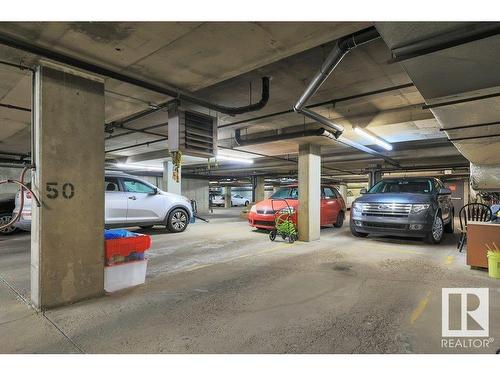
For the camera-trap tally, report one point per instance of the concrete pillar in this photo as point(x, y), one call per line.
point(260, 193)
point(227, 197)
point(374, 177)
point(169, 183)
point(309, 192)
point(67, 241)
point(343, 191)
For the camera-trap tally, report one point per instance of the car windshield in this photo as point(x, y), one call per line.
point(286, 193)
point(402, 186)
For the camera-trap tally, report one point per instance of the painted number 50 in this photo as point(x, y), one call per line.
point(67, 190)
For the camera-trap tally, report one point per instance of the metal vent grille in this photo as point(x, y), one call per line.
point(192, 133)
point(198, 134)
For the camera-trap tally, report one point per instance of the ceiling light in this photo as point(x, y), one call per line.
point(139, 167)
point(235, 159)
point(379, 141)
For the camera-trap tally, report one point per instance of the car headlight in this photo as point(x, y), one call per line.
point(357, 206)
point(254, 209)
point(416, 208)
point(287, 211)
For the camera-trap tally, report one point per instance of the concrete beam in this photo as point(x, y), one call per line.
point(67, 241)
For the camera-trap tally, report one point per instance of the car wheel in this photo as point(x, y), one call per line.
point(177, 221)
point(436, 234)
point(5, 218)
point(272, 235)
point(146, 226)
point(247, 203)
point(450, 227)
point(340, 220)
point(355, 233)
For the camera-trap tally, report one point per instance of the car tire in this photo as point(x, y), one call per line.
point(436, 234)
point(450, 227)
point(340, 220)
point(355, 233)
point(177, 221)
point(4, 219)
point(247, 203)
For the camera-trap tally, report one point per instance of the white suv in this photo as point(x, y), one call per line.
point(129, 202)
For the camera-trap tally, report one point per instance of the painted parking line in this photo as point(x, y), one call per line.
point(420, 308)
point(449, 260)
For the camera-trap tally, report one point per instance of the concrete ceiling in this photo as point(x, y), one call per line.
point(224, 62)
point(456, 74)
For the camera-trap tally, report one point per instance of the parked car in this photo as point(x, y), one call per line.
point(236, 200)
point(130, 201)
point(411, 207)
point(332, 207)
point(218, 200)
point(7, 204)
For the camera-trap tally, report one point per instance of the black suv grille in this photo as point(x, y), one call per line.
point(384, 225)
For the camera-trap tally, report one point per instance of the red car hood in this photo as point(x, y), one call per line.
point(269, 204)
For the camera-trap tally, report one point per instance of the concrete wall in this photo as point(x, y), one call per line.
point(196, 190)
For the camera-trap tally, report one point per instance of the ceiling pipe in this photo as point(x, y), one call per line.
point(173, 92)
point(332, 102)
point(446, 40)
point(342, 47)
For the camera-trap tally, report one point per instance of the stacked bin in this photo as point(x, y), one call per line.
point(125, 263)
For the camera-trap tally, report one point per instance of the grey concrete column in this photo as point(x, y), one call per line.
point(67, 241)
point(260, 193)
point(227, 197)
point(374, 177)
point(169, 183)
point(343, 191)
point(309, 192)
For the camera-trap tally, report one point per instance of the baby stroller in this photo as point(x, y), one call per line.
point(284, 222)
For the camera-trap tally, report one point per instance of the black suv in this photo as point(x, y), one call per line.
point(411, 207)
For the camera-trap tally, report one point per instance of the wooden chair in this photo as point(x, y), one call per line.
point(472, 212)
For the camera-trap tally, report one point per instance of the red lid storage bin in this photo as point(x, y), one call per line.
point(119, 250)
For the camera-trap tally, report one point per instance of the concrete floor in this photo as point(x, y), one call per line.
point(223, 288)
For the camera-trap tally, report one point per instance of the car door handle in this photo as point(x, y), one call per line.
point(133, 197)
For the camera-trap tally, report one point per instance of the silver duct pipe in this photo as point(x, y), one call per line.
point(342, 47)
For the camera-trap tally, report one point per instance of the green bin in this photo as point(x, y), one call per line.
point(494, 264)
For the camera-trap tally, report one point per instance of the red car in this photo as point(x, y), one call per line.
point(333, 208)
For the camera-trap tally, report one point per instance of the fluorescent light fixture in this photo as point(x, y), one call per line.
point(233, 158)
point(379, 141)
point(139, 167)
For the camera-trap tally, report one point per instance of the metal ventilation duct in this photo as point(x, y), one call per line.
point(192, 133)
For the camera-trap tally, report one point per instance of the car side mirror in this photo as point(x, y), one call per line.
point(444, 191)
point(363, 191)
point(155, 191)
